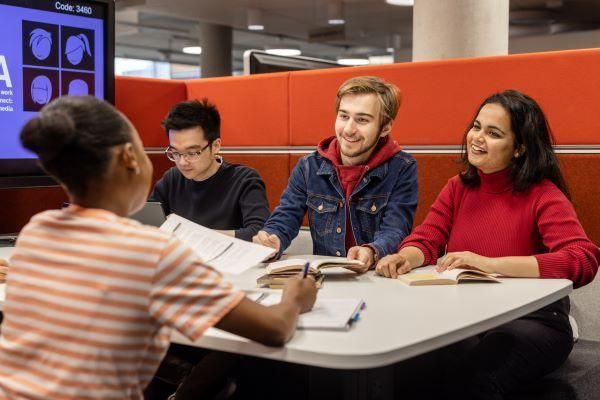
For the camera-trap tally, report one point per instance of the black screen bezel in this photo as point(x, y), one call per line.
point(261, 62)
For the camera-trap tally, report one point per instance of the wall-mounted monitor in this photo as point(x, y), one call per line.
point(48, 49)
point(261, 62)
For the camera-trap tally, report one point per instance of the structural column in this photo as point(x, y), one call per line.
point(459, 28)
point(216, 43)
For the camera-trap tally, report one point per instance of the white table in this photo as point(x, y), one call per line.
point(399, 321)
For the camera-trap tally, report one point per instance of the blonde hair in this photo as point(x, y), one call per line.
point(388, 95)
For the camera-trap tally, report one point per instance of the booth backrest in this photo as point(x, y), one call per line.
point(254, 109)
point(440, 98)
point(146, 102)
point(268, 121)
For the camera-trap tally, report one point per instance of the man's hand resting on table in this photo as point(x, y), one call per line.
point(364, 254)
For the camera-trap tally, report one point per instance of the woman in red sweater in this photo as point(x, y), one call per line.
point(508, 213)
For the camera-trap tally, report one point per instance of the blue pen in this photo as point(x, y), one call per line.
point(305, 270)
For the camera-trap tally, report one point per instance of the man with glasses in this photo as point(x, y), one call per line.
point(202, 187)
point(205, 189)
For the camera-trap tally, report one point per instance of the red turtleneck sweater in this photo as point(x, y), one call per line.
point(493, 221)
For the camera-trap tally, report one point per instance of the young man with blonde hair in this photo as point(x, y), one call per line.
point(359, 187)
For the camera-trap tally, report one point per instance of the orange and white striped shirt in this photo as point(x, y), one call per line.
point(90, 303)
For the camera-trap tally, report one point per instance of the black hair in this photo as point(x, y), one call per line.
point(72, 137)
point(194, 113)
point(532, 133)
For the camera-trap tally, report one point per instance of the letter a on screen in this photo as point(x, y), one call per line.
point(4, 74)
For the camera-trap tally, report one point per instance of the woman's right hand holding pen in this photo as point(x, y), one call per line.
point(301, 291)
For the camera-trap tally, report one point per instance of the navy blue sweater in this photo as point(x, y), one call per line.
point(234, 198)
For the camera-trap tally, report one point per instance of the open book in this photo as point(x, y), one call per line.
point(277, 281)
point(222, 252)
point(278, 272)
point(429, 276)
point(327, 314)
point(297, 264)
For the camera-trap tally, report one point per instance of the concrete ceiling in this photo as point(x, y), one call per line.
point(158, 30)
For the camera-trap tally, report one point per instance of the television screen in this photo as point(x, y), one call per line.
point(260, 62)
point(48, 49)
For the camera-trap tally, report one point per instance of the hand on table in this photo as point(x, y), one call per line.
point(466, 260)
point(364, 254)
point(393, 265)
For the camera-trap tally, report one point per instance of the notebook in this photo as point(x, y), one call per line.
point(336, 314)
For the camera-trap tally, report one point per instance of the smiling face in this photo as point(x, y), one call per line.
point(357, 127)
point(491, 141)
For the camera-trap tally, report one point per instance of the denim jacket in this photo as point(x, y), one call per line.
point(382, 205)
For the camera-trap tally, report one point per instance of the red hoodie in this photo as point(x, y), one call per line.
point(350, 175)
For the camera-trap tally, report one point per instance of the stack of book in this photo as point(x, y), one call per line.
point(3, 273)
point(278, 272)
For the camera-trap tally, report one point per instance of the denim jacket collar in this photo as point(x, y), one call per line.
point(326, 168)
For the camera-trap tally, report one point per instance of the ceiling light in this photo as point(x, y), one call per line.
point(255, 20)
point(401, 2)
point(353, 60)
point(284, 51)
point(335, 12)
point(192, 50)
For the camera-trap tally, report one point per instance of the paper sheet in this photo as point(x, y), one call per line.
point(327, 314)
point(222, 252)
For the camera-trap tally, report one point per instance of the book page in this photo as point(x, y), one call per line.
point(429, 273)
point(334, 262)
point(222, 252)
point(290, 265)
point(334, 314)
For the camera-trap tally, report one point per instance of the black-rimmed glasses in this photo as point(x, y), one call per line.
point(189, 156)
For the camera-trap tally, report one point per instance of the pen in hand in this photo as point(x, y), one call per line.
point(305, 270)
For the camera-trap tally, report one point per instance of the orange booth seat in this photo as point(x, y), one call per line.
point(269, 121)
